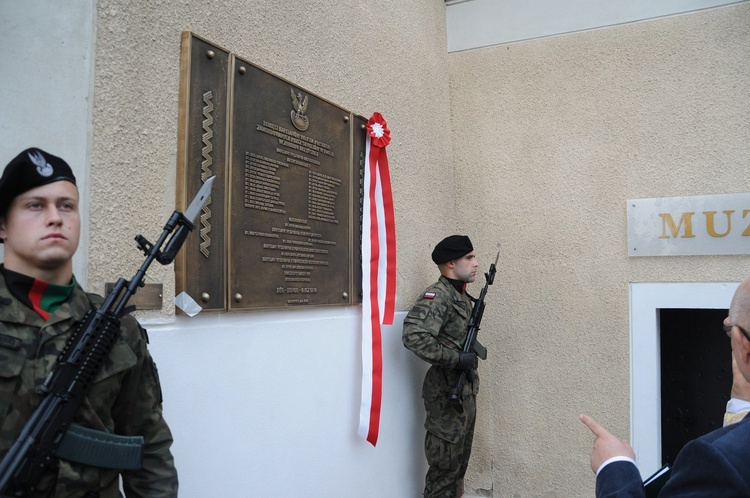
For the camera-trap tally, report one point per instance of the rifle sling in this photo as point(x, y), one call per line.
point(101, 449)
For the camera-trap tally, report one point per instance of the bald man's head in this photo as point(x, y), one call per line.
point(739, 310)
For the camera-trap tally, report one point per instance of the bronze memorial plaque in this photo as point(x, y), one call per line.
point(203, 128)
point(283, 226)
point(290, 188)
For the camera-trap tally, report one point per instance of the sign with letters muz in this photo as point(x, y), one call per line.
point(687, 226)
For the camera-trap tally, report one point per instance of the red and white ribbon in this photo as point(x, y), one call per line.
point(378, 272)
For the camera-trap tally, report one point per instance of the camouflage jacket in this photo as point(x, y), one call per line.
point(124, 399)
point(435, 330)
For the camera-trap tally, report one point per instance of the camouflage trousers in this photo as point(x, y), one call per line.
point(448, 457)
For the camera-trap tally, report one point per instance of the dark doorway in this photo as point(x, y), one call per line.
point(696, 375)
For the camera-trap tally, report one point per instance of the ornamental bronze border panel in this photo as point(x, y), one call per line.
point(283, 227)
point(201, 153)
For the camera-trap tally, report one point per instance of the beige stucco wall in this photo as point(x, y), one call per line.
point(550, 138)
point(357, 54)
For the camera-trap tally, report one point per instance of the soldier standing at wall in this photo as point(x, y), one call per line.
point(435, 330)
point(41, 304)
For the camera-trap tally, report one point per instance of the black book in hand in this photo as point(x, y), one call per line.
point(653, 484)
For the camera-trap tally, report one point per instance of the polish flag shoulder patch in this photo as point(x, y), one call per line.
point(429, 295)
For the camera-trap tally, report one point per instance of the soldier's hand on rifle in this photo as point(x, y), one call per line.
point(466, 360)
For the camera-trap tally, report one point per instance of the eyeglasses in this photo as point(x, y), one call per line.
point(728, 330)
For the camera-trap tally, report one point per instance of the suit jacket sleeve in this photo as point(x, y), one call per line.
point(621, 480)
point(706, 469)
point(710, 466)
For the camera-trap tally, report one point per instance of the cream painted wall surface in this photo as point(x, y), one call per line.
point(551, 137)
point(356, 54)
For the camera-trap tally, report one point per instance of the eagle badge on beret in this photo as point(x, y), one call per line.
point(42, 166)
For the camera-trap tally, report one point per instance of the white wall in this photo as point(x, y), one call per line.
point(46, 68)
point(480, 23)
point(267, 404)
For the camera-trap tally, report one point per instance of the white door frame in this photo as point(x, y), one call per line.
point(646, 299)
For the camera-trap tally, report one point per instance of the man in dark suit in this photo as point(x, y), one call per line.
point(714, 465)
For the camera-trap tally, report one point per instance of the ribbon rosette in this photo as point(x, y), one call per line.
point(378, 130)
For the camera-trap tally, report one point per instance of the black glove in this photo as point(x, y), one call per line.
point(465, 360)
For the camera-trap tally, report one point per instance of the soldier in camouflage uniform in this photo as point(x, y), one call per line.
point(435, 330)
point(40, 305)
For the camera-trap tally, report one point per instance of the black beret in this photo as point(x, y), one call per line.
point(450, 248)
point(30, 169)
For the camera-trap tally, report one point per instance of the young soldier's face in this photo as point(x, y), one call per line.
point(465, 268)
point(41, 229)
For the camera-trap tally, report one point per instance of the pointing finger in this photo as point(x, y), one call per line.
point(594, 426)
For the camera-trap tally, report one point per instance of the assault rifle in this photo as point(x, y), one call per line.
point(471, 344)
point(36, 449)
